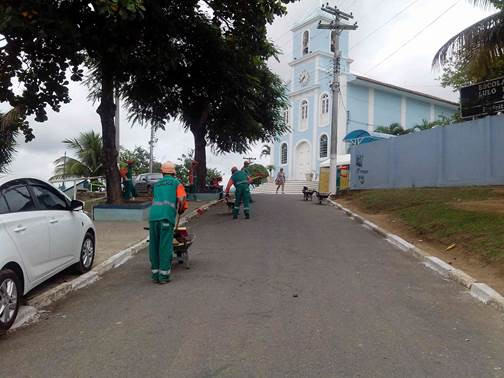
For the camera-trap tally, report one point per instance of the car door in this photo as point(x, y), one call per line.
point(29, 230)
point(65, 226)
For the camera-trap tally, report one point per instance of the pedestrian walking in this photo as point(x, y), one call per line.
point(280, 181)
point(240, 180)
point(169, 198)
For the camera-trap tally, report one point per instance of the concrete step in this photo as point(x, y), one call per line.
point(291, 187)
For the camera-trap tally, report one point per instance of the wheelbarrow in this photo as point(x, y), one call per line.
point(182, 241)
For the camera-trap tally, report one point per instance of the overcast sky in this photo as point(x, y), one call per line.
point(408, 67)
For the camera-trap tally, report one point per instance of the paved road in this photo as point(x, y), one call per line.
point(299, 290)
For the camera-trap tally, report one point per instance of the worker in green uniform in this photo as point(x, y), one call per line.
point(242, 185)
point(246, 169)
point(169, 197)
point(129, 189)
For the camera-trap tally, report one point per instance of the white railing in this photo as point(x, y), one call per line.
point(76, 180)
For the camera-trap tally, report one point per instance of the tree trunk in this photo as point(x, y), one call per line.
point(106, 110)
point(198, 128)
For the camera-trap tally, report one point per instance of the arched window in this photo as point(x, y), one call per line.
point(324, 99)
point(286, 116)
point(306, 42)
point(283, 154)
point(323, 146)
point(334, 35)
point(304, 115)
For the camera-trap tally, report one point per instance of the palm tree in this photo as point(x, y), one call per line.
point(89, 161)
point(393, 129)
point(481, 44)
point(9, 123)
point(266, 150)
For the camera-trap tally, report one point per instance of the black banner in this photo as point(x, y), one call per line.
point(483, 98)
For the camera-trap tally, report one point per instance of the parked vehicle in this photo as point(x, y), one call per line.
point(42, 232)
point(145, 181)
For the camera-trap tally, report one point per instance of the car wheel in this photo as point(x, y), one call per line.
point(9, 298)
point(87, 254)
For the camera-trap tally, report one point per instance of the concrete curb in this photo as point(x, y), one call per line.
point(478, 290)
point(30, 311)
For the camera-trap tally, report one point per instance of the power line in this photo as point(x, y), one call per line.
point(414, 37)
point(385, 24)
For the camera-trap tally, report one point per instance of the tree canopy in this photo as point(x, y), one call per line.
point(157, 54)
point(477, 48)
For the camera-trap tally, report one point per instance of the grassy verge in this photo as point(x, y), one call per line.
point(439, 215)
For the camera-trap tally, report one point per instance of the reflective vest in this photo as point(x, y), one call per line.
point(240, 178)
point(164, 203)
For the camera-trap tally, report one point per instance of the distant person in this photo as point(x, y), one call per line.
point(169, 197)
point(241, 183)
point(280, 181)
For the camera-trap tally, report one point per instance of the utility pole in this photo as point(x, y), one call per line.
point(338, 27)
point(151, 152)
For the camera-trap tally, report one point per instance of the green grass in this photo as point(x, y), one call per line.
point(430, 213)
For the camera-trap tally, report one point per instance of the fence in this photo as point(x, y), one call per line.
point(469, 153)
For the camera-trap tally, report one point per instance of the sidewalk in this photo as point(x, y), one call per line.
point(112, 238)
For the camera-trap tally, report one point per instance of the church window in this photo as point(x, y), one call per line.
point(323, 146)
point(325, 103)
point(283, 154)
point(306, 41)
point(286, 116)
point(304, 110)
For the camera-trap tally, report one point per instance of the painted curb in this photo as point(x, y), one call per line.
point(487, 295)
point(480, 291)
point(438, 265)
point(462, 278)
point(25, 314)
point(30, 311)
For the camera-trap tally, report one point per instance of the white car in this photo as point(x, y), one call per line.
point(42, 232)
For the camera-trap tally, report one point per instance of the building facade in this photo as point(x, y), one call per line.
point(363, 103)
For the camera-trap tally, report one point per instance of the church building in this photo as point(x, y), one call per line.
point(364, 103)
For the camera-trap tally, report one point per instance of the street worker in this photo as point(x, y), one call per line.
point(240, 181)
point(246, 169)
point(169, 198)
point(129, 191)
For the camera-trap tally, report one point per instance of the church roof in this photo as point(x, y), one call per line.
point(367, 80)
point(313, 14)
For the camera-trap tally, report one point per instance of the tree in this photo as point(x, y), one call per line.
point(459, 72)
point(141, 157)
point(393, 129)
point(89, 161)
point(10, 124)
point(229, 98)
point(477, 48)
point(259, 172)
point(184, 166)
point(114, 39)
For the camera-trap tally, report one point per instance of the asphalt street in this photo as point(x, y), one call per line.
point(299, 290)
